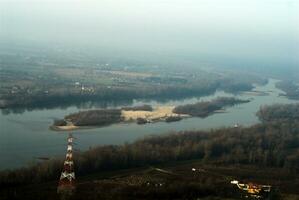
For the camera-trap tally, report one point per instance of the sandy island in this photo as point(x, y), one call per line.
point(157, 114)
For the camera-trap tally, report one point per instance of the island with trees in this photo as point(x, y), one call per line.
point(143, 114)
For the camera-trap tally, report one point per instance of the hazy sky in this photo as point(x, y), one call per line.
point(261, 29)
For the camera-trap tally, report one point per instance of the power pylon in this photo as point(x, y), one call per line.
point(66, 185)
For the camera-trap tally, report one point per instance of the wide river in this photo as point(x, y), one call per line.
point(25, 137)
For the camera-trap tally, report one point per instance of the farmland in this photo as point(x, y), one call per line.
point(31, 82)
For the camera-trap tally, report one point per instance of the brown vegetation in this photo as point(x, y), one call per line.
point(279, 112)
point(173, 119)
point(95, 117)
point(205, 108)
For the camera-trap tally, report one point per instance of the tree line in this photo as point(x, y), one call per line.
point(279, 112)
point(55, 95)
point(205, 108)
point(290, 88)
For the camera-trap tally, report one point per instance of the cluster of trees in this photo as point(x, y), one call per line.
point(68, 96)
point(205, 108)
point(290, 88)
point(138, 108)
point(59, 122)
point(173, 119)
point(273, 144)
point(233, 86)
point(279, 112)
point(95, 117)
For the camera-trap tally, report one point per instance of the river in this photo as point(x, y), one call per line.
point(26, 136)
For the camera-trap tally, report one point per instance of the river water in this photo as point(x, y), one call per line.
point(26, 136)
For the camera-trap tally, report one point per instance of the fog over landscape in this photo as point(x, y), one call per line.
point(257, 32)
point(149, 99)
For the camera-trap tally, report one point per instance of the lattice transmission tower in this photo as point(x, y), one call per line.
point(66, 186)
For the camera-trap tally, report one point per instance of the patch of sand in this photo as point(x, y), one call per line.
point(64, 128)
point(67, 128)
point(158, 113)
point(70, 126)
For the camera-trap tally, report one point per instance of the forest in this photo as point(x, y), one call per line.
point(290, 88)
point(72, 95)
point(95, 117)
point(139, 108)
point(279, 112)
